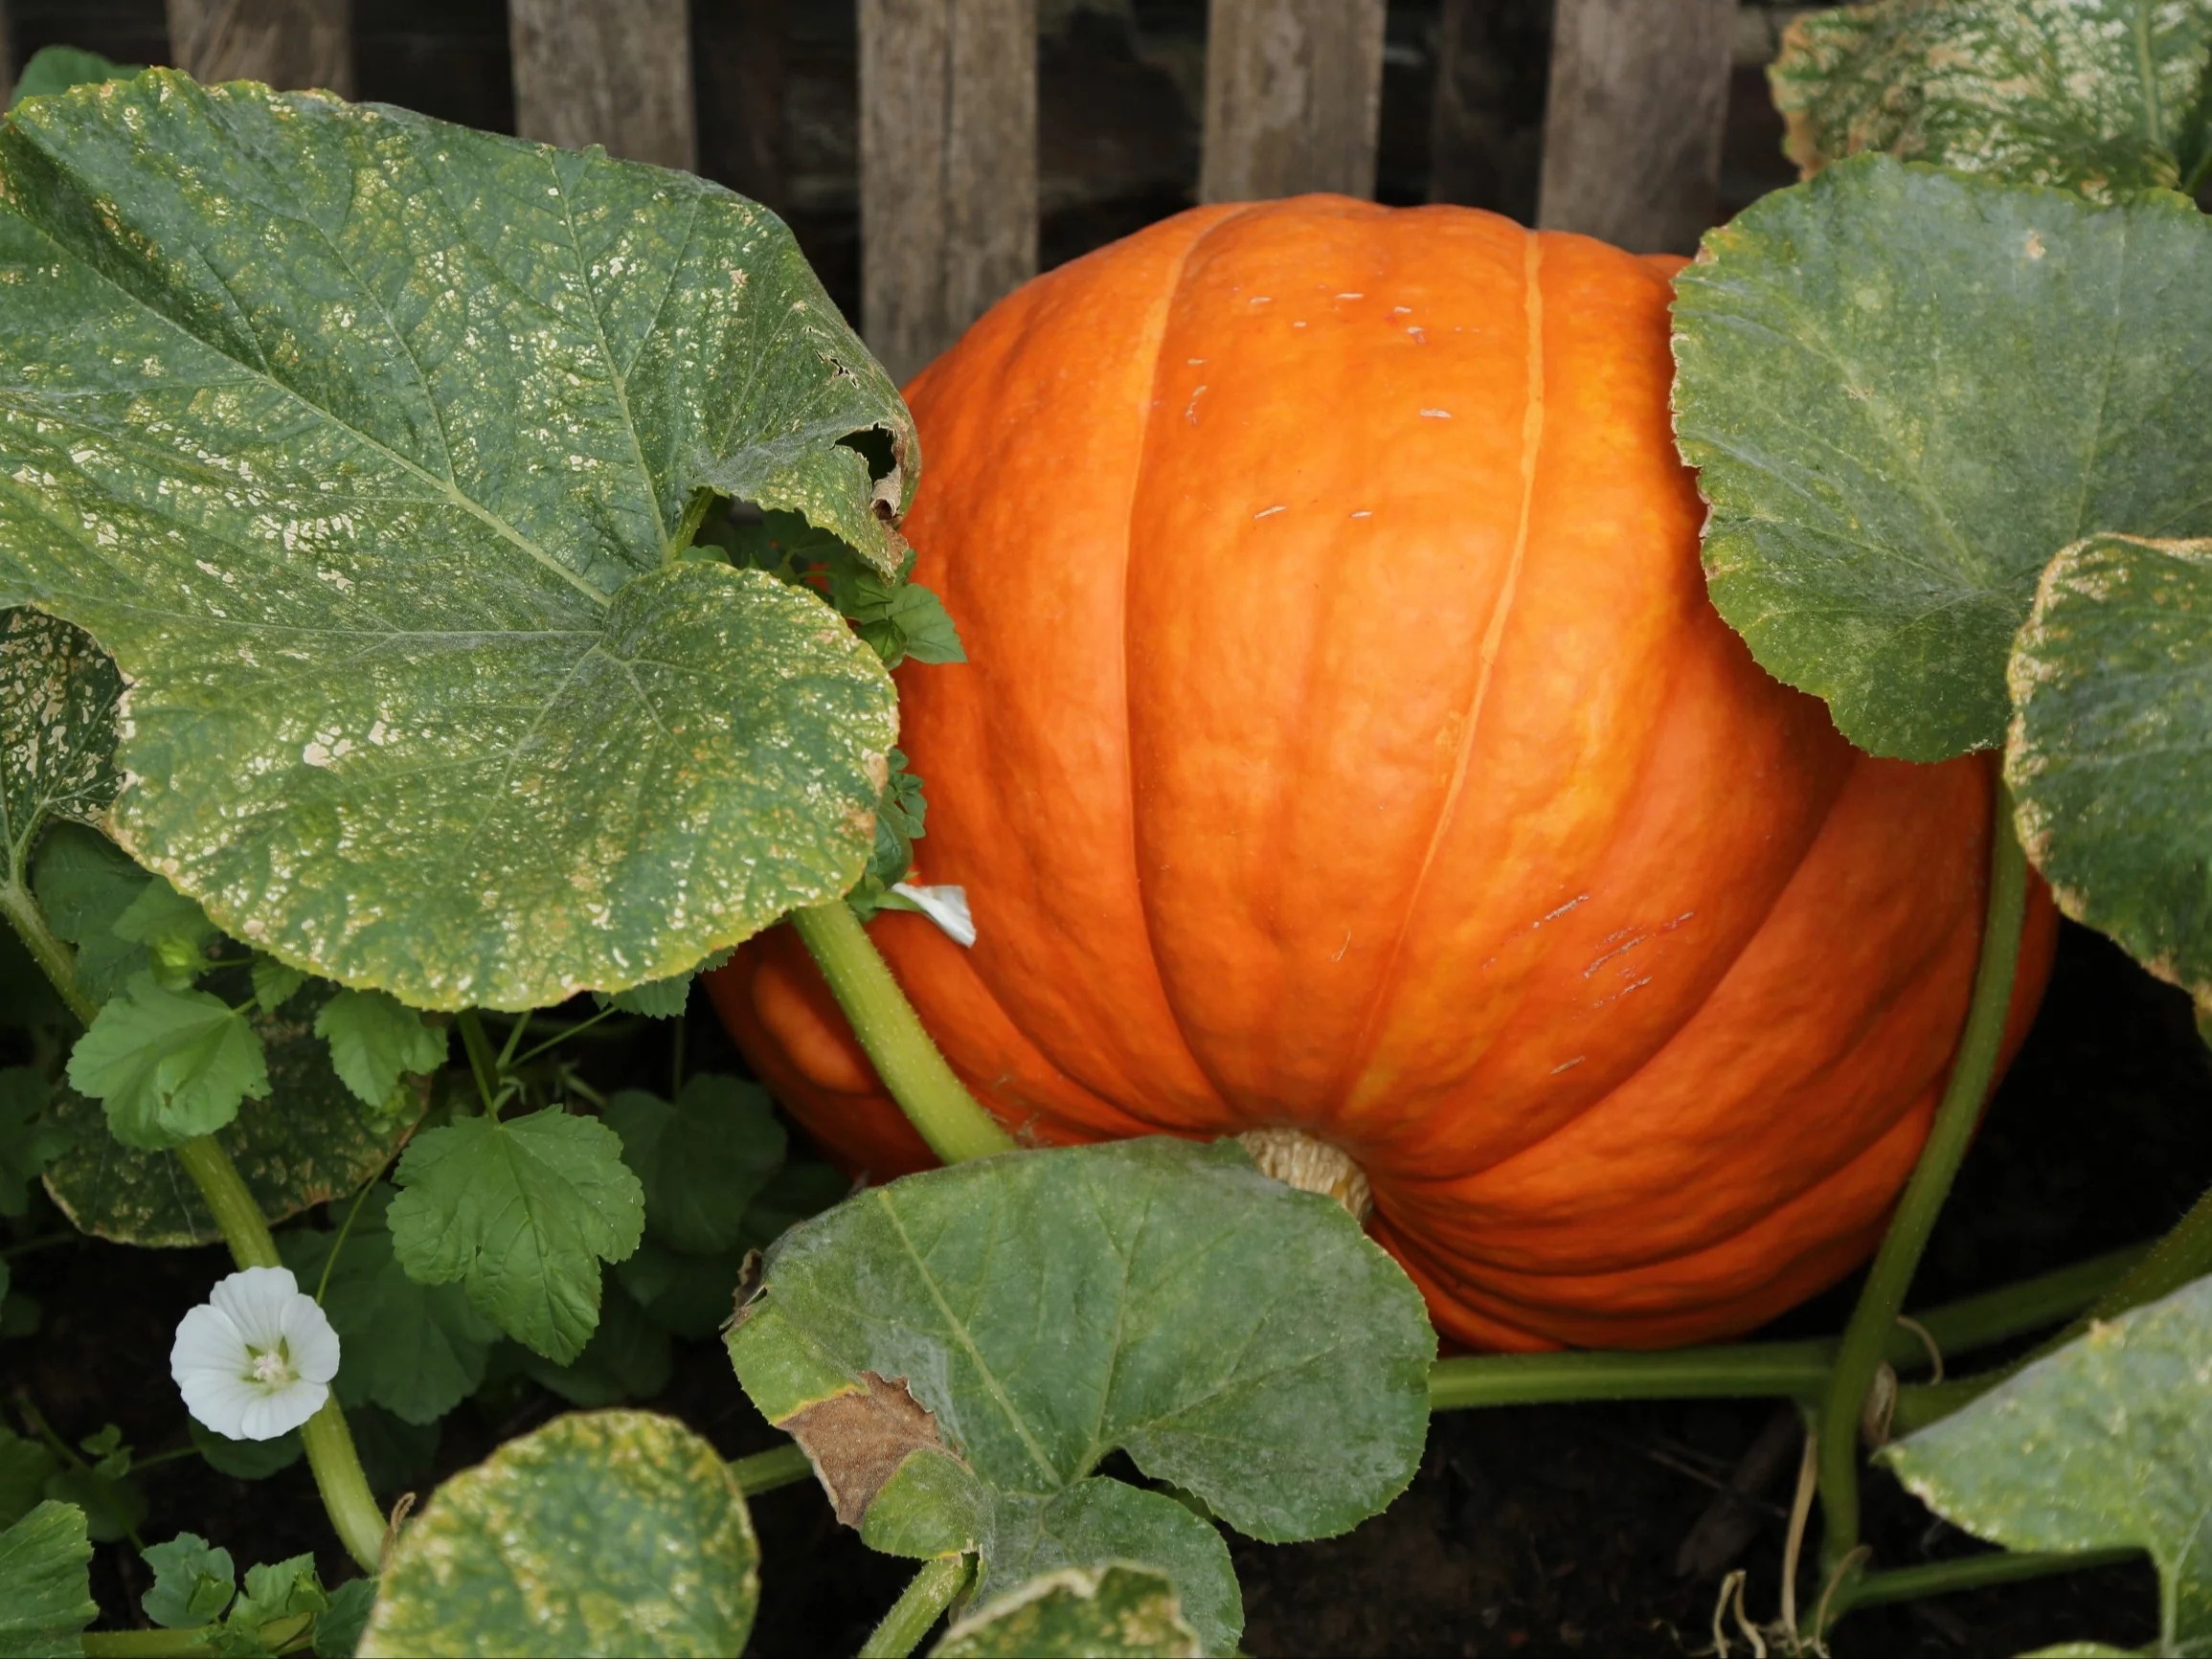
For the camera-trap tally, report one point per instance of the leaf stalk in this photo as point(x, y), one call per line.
point(919, 1606)
point(1874, 1320)
point(933, 1099)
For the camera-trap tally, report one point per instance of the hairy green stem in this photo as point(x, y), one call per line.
point(1792, 1370)
point(766, 1470)
point(927, 1595)
point(1874, 1320)
point(55, 957)
point(2182, 1255)
point(1968, 1573)
point(934, 1100)
point(330, 1454)
point(1752, 1370)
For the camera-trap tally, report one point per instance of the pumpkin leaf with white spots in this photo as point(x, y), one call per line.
point(614, 1531)
point(1116, 1612)
point(57, 697)
point(1904, 391)
point(2100, 96)
point(2104, 1445)
point(364, 444)
point(45, 1582)
point(2109, 763)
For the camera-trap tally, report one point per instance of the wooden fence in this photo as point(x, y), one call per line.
point(1632, 136)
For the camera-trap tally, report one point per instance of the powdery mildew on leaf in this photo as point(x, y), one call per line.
point(2105, 1443)
point(617, 1532)
point(57, 697)
point(1122, 1612)
point(2094, 94)
point(1903, 391)
point(2108, 759)
point(360, 440)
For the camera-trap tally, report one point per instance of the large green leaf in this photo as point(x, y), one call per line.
point(309, 1142)
point(2104, 1445)
point(960, 1350)
point(521, 1212)
point(169, 1066)
point(2102, 95)
point(364, 442)
point(45, 1589)
point(2110, 757)
point(1904, 390)
point(616, 1533)
point(416, 1350)
point(1121, 1612)
point(57, 697)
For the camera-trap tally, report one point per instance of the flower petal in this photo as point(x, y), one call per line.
point(277, 1411)
point(220, 1401)
point(256, 1299)
point(312, 1343)
point(207, 1340)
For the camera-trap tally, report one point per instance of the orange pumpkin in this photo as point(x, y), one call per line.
point(1348, 744)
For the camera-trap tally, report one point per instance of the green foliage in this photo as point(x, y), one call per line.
point(103, 1488)
point(375, 1040)
point(53, 69)
point(629, 1358)
point(415, 1350)
point(521, 1212)
point(1120, 1612)
point(898, 619)
point(1239, 1339)
point(338, 1627)
point(245, 1458)
point(174, 930)
point(45, 1584)
point(700, 1160)
point(361, 441)
point(275, 984)
point(899, 819)
point(2112, 677)
point(26, 1466)
point(168, 1065)
point(616, 1533)
point(28, 1140)
point(310, 1141)
point(1905, 390)
point(2100, 96)
point(57, 694)
point(193, 1582)
point(85, 882)
point(2105, 1443)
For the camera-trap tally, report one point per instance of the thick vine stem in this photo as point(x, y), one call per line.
point(933, 1098)
point(1874, 1320)
point(331, 1453)
point(1967, 1573)
point(58, 961)
point(919, 1606)
point(2184, 1254)
point(766, 1470)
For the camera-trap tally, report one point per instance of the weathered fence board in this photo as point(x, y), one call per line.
point(948, 167)
point(1633, 120)
point(610, 71)
point(1294, 97)
point(286, 43)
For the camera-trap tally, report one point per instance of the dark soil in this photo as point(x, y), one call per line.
point(1530, 1531)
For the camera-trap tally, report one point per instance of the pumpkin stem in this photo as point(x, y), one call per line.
point(1297, 1160)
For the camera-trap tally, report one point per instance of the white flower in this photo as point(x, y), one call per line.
point(256, 1359)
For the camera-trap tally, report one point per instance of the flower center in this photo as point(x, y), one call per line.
point(272, 1367)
